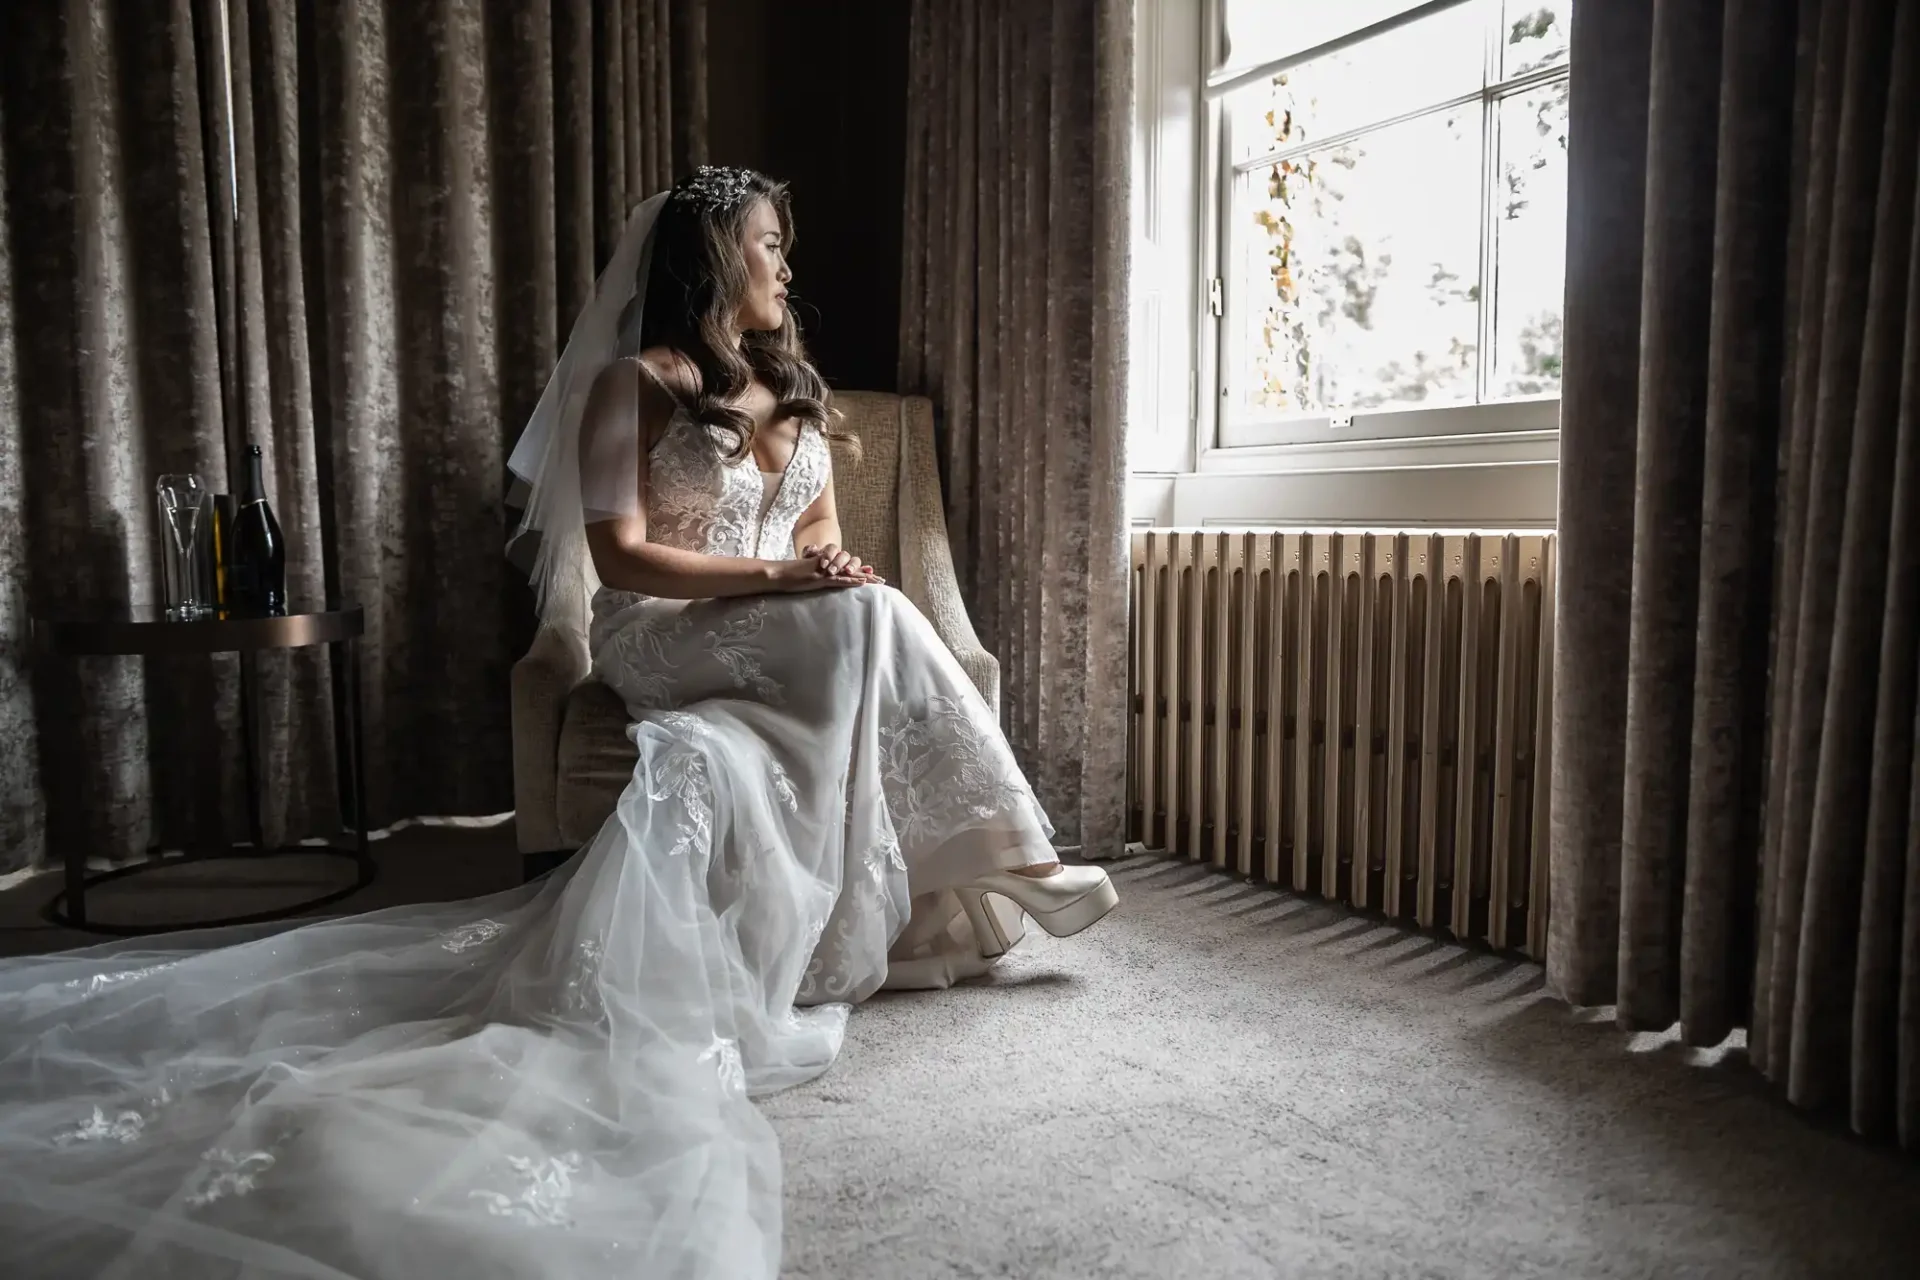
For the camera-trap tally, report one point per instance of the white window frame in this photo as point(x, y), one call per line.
point(1492, 434)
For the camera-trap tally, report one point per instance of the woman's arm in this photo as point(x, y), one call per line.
point(624, 398)
point(817, 534)
point(819, 524)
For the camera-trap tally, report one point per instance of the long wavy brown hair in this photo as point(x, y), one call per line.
point(695, 288)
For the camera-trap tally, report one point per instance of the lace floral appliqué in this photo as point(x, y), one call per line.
point(122, 1127)
point(468, 936)
point(724, 1054)
point(680, 774)
point(229, 1173)
point(827, 976)
point(581, 995)
point(644, 646)
point(806, 477)
point(884, 856)
point(546, 1189)
point(942, 769)
point(782, 787)
point(732, 650)
point(694, 499)
point(99, 982)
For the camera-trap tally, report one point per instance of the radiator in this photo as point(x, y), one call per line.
point(1362, 716)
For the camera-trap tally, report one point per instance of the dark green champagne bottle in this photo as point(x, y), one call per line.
point(256, 554)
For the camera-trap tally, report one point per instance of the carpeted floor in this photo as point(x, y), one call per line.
point(1221, 1082)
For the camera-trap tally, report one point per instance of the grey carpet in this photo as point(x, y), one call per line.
point(1221, 1082)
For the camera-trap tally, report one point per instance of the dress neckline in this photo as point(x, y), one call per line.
point(780, 477)
point(683, 418)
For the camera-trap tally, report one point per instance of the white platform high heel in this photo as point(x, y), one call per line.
point(1063, 903)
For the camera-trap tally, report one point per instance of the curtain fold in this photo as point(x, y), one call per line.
point(1736, 840)
point(364, 267)
point(1013, 304)
point(111, 378)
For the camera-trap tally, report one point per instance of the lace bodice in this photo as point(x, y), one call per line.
point(696, 501)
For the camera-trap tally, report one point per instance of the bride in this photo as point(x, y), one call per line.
point(555, 1081)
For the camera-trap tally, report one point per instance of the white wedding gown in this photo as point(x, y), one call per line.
point(553, 1081)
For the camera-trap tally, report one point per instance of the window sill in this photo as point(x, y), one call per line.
point(1484, 480)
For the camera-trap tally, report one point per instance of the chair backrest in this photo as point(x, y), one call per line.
point(866, 478)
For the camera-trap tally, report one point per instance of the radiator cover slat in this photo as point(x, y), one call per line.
point(1364, 716)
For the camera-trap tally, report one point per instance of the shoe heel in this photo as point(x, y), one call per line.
point(987, 932)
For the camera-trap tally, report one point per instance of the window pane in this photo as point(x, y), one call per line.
point(1417, 66)
point(1531, 226)
point(1535, 34)
point(1261, 30)
point(1356, 284)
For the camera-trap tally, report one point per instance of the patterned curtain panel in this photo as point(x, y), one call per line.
point(1736, 794)
point(359, 254)
point(110, 375)
point(1013, 319)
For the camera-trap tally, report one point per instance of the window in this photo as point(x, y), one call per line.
point(1391, 207)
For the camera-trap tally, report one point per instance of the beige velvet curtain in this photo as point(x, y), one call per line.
point(110, 375)
point(423, 192)
point(1013, 313)
point(1736, 792)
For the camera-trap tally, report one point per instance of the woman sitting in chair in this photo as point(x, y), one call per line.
point(554, 1082)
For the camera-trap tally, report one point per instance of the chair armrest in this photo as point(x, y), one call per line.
point(983, 670)
point(926, 557)
point(542, 680)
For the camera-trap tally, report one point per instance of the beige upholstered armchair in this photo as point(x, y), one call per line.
point(571, 756)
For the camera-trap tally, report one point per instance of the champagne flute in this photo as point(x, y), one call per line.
point(183, 502)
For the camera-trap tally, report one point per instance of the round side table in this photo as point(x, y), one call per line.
point(145, 633)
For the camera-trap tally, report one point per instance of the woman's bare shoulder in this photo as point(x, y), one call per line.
point(642, 387)
point(671, 372)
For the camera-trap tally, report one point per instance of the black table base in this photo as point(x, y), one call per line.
point(146, 633)
point(364, 872)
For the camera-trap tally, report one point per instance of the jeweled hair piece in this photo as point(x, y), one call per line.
point(713, 188)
